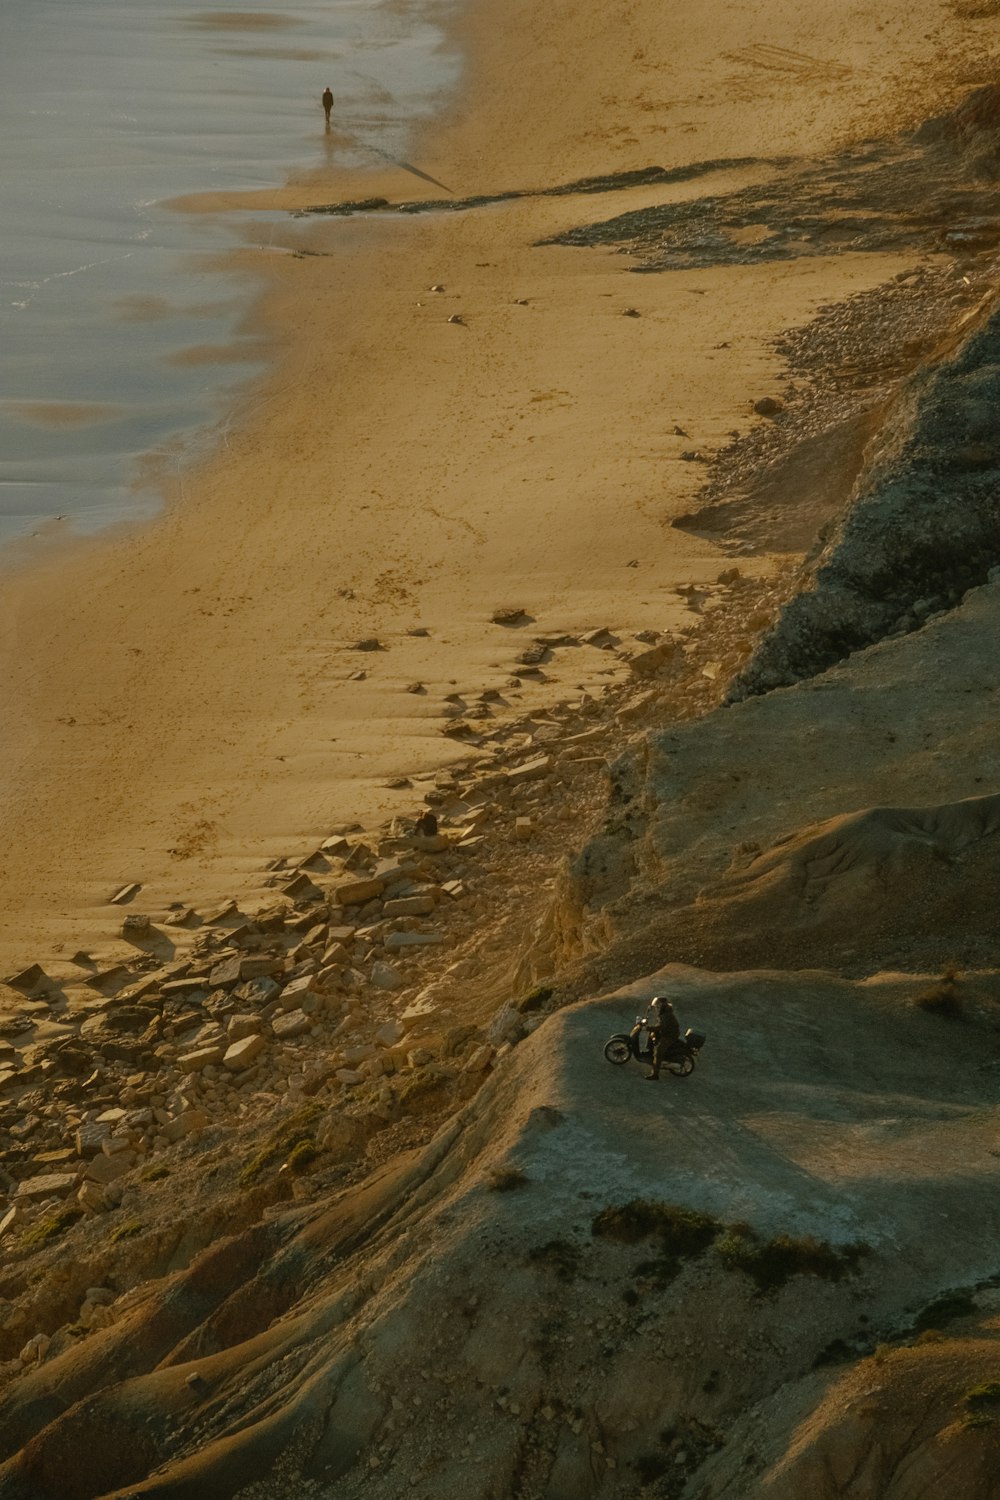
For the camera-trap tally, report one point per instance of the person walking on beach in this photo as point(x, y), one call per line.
point(327, 102)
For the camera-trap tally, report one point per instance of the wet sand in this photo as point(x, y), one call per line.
point(185, 696)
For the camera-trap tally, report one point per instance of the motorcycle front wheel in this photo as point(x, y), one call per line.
point(680, 1066)
point(618, 1050)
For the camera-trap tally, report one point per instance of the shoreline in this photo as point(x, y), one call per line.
point(713, 709)
point(191, 712)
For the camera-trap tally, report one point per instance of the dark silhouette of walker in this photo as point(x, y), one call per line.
point(327, 102)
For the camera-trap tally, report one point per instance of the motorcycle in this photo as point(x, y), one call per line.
point(639, 1043)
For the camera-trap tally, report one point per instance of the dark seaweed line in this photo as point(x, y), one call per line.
point(613, 182)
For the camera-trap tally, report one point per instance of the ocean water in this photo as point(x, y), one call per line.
point(116, 341)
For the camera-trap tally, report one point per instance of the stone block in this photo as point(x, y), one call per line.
point(648, 663)
point(300, 887)
point(188, 1121)
point(11, 1220)
point(111, 1117)
point(354, 1056)
point(336, 955)
point(106, 1169)
point(409, 906)
point(348, 1076)
point(531, 770)
point(479, 1060)
point(51, 1185)
point(293, 1024)
point(227, 973)
point(203, 1057)
point(343, 935)
point(523, 829)
point(397, 941)
point(357, 892)
point(429, 843)
point(299, 994)
point(261, 965)
point(393, 869)
point(389, 1034)
point(260, 991)
point(91, 1197)
point(244, 1052)
point(35, 1349)
point(240, 1026)
point(89, 1137)
point(385, 977)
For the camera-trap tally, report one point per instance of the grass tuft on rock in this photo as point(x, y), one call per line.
point(302, 1156)
point(944, 1310)
point(126, 1231)
point(295, 1131)
point(507, 1179)
point(942, 999)
point(52, 1228)
point(985, 1397)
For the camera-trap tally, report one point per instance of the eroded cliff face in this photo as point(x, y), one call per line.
point(582, 1283)
point(545, 1278)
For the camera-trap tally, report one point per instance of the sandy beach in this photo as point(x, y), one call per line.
point(184, 700)
point(622, 486)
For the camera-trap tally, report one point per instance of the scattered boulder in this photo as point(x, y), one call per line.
point(227, 973)
point(136, 927)
point(385, 977)
point(243, 1053)
point(531, 770)
point(409, 906)
point(289, 1025)
point(50, 1185)
point(357, 892)
point(648, 663)
point(202, 1057)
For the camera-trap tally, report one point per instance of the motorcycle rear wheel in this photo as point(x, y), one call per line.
point(679, 1066)
point(618, 1050)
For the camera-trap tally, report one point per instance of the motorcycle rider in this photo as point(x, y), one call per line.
point(665, 1032)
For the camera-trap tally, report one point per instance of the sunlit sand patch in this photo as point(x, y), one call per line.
point(244, 20)
point(216, 354)
point(62, 413)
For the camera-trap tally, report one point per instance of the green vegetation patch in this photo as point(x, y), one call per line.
point(683, 1231)
point(535, 1000)
point(557, 1256)
point(507, 1179)
point(771, 1263)
point(683, 1234)
point(127, 1231)
point(297, 1130)
point(982, 1404)
point(944, 1310)
point(303, 1155)
point(47, 1230)
point(942, 998)
point(985, 1397)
